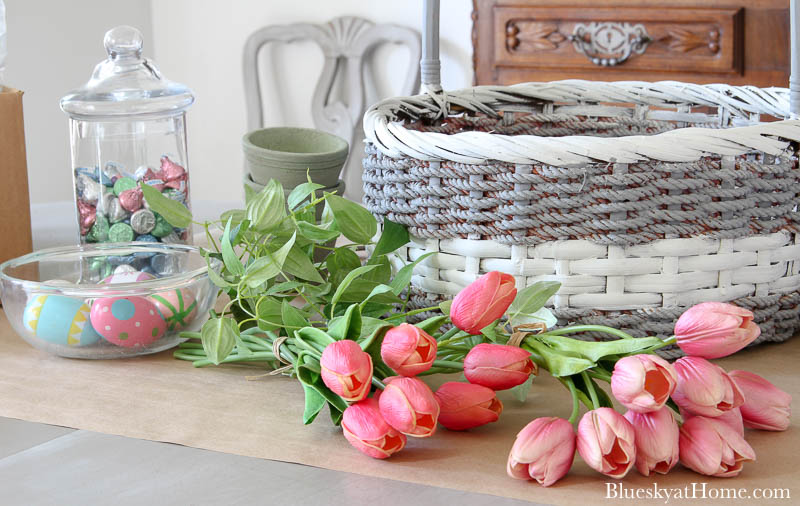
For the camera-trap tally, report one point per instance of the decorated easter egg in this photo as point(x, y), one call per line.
point(126, 276)
point(178, 307)
point(59, 319)
point(127, 321)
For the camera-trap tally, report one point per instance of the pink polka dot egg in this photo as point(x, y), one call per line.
point(125, 276)
point(129, 321)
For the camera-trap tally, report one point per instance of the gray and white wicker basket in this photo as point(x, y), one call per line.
point(640, 198)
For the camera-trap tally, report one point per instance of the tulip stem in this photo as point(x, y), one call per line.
point(378, 383)
point(449, 364)
point(600, 375)
point(588, 328)
point(590, 387)
point(575, 402)
point(446, 337)
point(411, 313)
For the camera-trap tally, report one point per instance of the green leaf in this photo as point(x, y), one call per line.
point(213, 276)
point(218, 336)
point(270, 316)
point(230, 259)
point(315, 233)
point(393, 236)
point(268, 208)
point(340, 263)
point(521, 391)
point(560, 364)
point(249, 194)
point(292, 317)
point(444, 306)
point(300, 192)
point(268, 266)
point(173, 211)
point(283, 288)
point(378, 290)
point(307, 370)
point(381, 275)
point(298, 264)
point(346, 283)
point(403, 277)
point(432, 324)
point(314, 335)
point(595, 350)
point(235, 215)
point(543, 315)
point(355, 222)
point(239, 231)
point(347, 326)
point(241, 347)
point(361, 288)
point(532, 298)
point(314, 402)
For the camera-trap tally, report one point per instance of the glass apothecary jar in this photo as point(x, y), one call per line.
point(127, 128)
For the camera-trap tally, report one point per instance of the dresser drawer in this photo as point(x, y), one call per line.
point(640, 39)
point(702, 41)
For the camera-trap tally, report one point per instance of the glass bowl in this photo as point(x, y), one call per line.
point(108, 300)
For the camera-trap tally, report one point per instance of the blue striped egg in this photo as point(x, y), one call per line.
point(59, 319)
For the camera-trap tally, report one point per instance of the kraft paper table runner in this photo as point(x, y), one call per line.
point(162, 399)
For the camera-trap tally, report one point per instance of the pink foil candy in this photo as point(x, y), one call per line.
point(154, 179)
point(178, 184)
point(131, 200)
point(171, 170)
point(88, 214)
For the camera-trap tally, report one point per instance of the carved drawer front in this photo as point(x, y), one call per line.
point(646, 39)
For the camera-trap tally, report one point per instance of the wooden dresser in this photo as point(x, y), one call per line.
point(733, 41)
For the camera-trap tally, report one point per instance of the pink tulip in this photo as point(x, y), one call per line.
point(408, 350)
point(498, 366)
point(766, 406)
point(543, 451)
point(464, 405)
point(711, 447)
point(408, 405)
point(483, 301)
point(346, 370)
point(368, 432)
point(607, 442)
point(643, 383)
point(715, 329)
point(732, 417)
point(656, 440)
point(704, 388)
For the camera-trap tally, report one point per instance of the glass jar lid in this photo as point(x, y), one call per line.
point(126, 85)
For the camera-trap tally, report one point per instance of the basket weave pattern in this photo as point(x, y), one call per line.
point(640, 198)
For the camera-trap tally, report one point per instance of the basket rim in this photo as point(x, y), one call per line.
point(384, 123)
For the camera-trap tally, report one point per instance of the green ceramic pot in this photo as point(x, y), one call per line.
point(287, 153)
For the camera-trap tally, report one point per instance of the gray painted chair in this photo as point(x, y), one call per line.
point(345, 42)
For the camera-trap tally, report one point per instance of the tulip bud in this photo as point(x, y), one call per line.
point(643, 383)
point(346, 370)
point(704, 388)
point(408, 350)
point(732, 417)
point(483, 301)
point(463, 406)
point(656, 440)
point(498, 366)
point(607, 442)
point(711, 447)
point(543, 451)
point(766, 406)
point(408, 405)
point(365, 429)
point(715, 329)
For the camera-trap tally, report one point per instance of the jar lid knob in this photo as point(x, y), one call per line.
point(123, 41)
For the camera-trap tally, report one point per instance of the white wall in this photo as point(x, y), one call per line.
point(199, 43)
point(53, 47)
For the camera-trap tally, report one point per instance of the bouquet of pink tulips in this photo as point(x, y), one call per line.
point(309, 309)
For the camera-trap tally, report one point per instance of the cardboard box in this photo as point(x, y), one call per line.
point(15, 210)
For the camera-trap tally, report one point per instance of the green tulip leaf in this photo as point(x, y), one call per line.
point(345, 284)
point(218, 336)
point(432, 324)
point(355, 222)
point(347, 326)
point(173, 211)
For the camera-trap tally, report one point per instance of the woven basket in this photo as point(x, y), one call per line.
point(640, 198)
